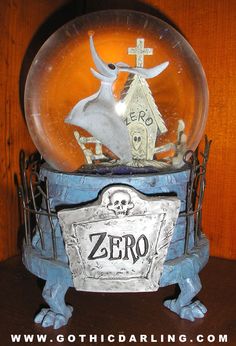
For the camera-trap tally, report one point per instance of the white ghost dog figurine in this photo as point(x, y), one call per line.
point(97, 113)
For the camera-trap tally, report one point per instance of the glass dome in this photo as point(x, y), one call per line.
point(60, 77)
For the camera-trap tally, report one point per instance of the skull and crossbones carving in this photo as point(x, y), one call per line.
point(120, 203)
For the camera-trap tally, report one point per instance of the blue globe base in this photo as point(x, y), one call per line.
point(181, 267)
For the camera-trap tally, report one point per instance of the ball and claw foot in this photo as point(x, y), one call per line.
point(48, 318)
point(189, 312)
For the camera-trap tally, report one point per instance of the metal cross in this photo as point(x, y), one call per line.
point(140, 51)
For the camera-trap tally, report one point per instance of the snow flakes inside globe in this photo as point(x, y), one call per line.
point(116, 88)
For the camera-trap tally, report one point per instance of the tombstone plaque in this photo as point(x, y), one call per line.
point(119, 243)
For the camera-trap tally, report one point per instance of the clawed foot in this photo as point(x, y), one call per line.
point(48, 318)
point(189, 312)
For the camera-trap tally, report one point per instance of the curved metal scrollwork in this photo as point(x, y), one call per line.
point(197, 163)
point(34, 194)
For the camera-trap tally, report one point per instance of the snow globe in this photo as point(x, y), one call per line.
point(116, 104)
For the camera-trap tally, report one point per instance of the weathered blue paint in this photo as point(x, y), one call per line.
point(72, 189)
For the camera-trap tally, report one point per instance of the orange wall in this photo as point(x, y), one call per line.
point(19, 21)
point(209, 27)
